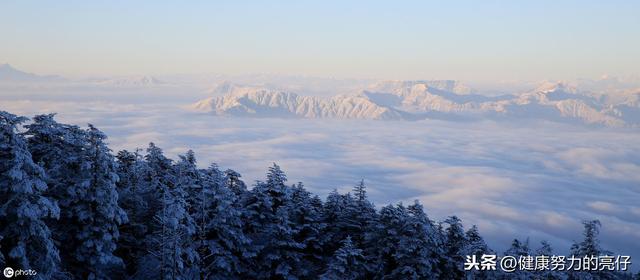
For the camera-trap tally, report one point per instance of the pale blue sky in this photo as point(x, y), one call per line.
point(471, 40)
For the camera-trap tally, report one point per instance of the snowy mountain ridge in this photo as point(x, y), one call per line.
point(415, 100)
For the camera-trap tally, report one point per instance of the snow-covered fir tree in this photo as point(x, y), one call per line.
point(350, 215)
point(518, 250)
point(269, 226)
point(234, 183)
point(133, 199)
point(172, 253)
point(306, 218)
point(82, 179)
point(590, 246)
point(347, 263)
point(453, 252)
point(389, 234)
point(221, 243)
point(546, 250)
point(332, 214)
point(99, 214)
point(25, 238)
point(417, 253)
point(476, 246)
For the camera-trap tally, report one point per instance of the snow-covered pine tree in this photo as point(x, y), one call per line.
point(268, 226)
point(350, 215)
point(82, 177)
point(363, 214)
point(332, 213)
point(518, 249)
point(590, 246)
point(132, 198)
point(475, 245)
point(175, 236)
point(452, 260)
point(59, 149)
point(234, 183)
point(347, 263)
point(222, 246)
point(98, 212)
point(306, 218)
point(25, 238)
point(172, 254)
point(546, 250)
point(404, 244)
point(388, 235)
point(360, 192)
point(158, 176)
point(188, 178)
point(417, 253)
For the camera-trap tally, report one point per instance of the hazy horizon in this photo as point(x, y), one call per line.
point(461, 40)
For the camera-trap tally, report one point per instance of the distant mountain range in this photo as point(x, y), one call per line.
point(10, 74)
point(608, 101)
point(416, 100)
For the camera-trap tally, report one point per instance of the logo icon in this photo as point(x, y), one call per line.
point(8, 272)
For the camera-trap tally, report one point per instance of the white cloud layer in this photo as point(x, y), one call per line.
point(535, 180)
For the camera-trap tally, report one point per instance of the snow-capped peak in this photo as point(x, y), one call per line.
point(558, 101)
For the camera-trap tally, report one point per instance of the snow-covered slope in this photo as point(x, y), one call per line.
point(263, 102)
point(411, 100)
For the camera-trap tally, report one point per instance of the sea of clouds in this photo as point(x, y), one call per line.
point(525, 179)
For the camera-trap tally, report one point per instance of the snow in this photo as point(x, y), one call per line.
point(412, 100)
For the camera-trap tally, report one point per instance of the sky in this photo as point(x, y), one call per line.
point(468, 40)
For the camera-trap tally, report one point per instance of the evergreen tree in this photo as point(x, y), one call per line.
point(417, 252)
point(25, 238)
point(172, 254)
point(353, 216)
point(453, 259)
point(98, 212)
point(404, 244)
point(332, 213)
point(362, 214)
point(476, 246)
point(132, 198)
point(59, 149)
point(347, 263)
point(590, 246)
point(270, 229)
point(519, 250)
point(388, 237)
point(222, 245)
point(546, 250)
point(82, 178)
point(234, 183)
point(188, 179)
point(306, 217)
